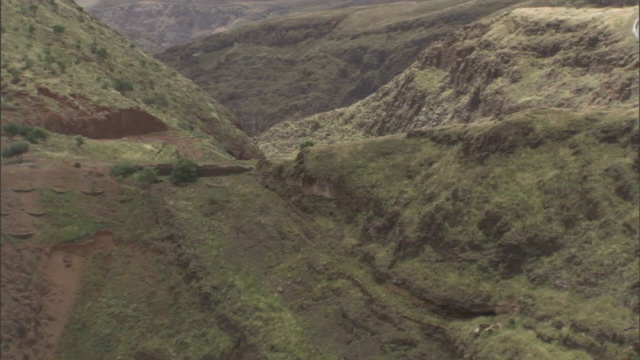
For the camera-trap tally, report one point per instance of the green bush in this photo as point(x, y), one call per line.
point(58, 29)
point(101, 52)
point(306, 144)
point(79, 140)
point(123, 170)
point(148, 175)
point(34, 134)
point(16, 149)
point(12, 129)
point(122, 85)
point(184, 171)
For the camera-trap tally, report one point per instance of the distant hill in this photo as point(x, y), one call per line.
point(69, 73)
point(528, 58)
point(156, 25)
point(298, 65)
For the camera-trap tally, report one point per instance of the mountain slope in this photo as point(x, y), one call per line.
point(512, 239)
point(303, 64)
point(528, 58)
point(67, 72)
point(156, 25)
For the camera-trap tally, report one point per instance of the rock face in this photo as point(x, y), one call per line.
point(527, 58)
point(300, 65)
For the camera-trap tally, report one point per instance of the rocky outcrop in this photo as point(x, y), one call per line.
point(296, 66)
point(524, 59)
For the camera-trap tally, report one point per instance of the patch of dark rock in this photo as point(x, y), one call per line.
point(149, 355)
point(493, 225)
point(22, 235)
point(92, 192)
point(23, 189)
point(36, 213)
point(203, 170)
point(448, 306)
point(616, 133)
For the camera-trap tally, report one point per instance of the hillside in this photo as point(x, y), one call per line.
point(515, 239)
point(295, 66)
point(527, 58)
point(506, 238)
point(67, 72)
point(157, 25)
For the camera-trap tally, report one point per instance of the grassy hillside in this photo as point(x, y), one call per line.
point(531, 57)
point(523, 232)
point(295, 66)
point(67, 72)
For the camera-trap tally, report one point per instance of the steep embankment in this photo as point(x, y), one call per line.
point(507, 240)
point(299, 65)
point(68, 73)
point(528, 58)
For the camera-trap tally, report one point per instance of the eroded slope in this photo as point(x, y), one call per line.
point(528, 58)
point(292, 67)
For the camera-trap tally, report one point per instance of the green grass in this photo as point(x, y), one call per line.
point(469, 199)
point(68, 63)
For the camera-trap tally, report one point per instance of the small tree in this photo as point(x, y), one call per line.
point(184, 171)
point(79, 140)
point(16, 149)
point(306, 144)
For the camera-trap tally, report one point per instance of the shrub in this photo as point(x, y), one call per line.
point(123, 170)
point(58, 29)
point(306, 144)
point(148, 175)
point(79, 140)
point(34, 134)
point(16, 149)
point(159, 100)
point(122, 85)
point(101, 52)
point(184, 171)
point(12, 129)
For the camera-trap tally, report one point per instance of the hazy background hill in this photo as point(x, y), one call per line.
point(298, 65)
point(155, 25)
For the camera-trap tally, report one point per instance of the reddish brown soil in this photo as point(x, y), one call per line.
point(39, 287)
point(39, 281)
point(78, 115)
